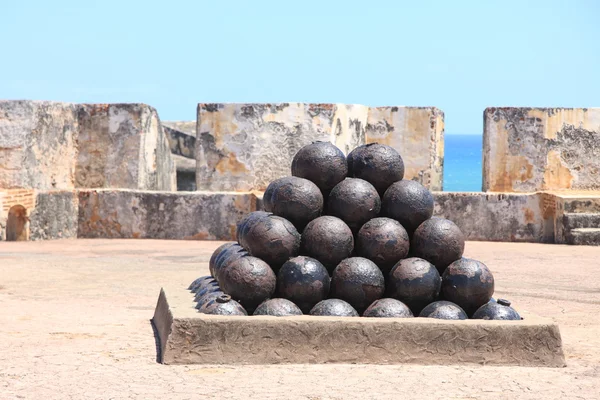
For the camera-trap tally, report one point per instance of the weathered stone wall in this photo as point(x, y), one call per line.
point(123, 146)
point(181, 137)
point(417, 133)
point(54, 216)
point(37, 145)
point(162, 215)
point(245, 146)
point(498, 216)
point(534, 149)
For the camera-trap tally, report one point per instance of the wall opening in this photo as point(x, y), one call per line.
point(17, 224)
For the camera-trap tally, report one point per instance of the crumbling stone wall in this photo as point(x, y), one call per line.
point(531, 149)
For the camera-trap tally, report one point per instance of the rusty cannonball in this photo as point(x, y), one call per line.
point(216, 254)
point(208, 297)
point(383, 241)
point(388, 308)
point(409, 203)
point(197, 282)
point(273, 239)
point(277, 308)
point(267, 201)
point(226, 257)
point(247, 222)
point(355, 201)
point(298, 200)
point(303, 280)
point(468, 283)
point(443, 310)
point(499, 310)
point(321, 163)
point(359, 281)
point(208, 288)
point(376, 163)
point(249, 280)
point(415, 282)
point(334, 308)
point(438, 241)
point(223, 305)
point(328, 239)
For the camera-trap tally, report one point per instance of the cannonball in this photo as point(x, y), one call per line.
point(277, 308)
point(500, 310)
point(321, 163)
point(468, 283)
point(388, 308)
point(443, 310)
point(334, 307)
point(217, 253)
point(383, 241)
point(408, 202)
point(298, 200)
point(438, 241)
point(208, 297)
point(209, 288)
point(304, 281)
point(358, 281)
point(223, 305)
point(272, 239)
point(249, 280)
point(267, 195)
point(328, 239)
point(376, 163)
point(415, 282)
point(226, 257)
point(355, 201)
point(247, 222)
point(197, 282)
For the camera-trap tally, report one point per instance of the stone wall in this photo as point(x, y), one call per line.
point(54, 216)
point(534, 149)
point(417, 133)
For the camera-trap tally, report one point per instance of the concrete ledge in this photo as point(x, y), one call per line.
point(187, 337)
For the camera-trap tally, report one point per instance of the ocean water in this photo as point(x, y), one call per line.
point(462, 163)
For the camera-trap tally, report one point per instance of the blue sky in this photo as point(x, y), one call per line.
point(460, 56)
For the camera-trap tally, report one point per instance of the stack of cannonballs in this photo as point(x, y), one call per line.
point(348, 236)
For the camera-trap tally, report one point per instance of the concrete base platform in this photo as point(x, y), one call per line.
point(187, 337)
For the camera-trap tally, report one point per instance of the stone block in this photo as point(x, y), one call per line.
point(54, 216)
point(162, 215)
point(417, 133)
point(503, 217)
point(245, 146)
point(37, 144)
point(123, 146)
point(187, 337)
point(535, 149)
point(182, 138)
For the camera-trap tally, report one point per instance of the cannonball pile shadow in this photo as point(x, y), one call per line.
point(348, 237)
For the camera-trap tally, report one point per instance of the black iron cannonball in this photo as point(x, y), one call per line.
point(334, 308)
point(273, 239)
point(250, 281)
point(223, 305)
point(468, 283)
point(226, 257)
point(304, 281)
point(443, 310)
point(355, 201)
point(408, 202)
point(247, 222)
point(415, 282)
point(388, 308)
point(438, 241)
point(197, 282)
point(376, 163)
point(383, 241)
point(298, 200)
point(358, 281)
point(328, 239)
point(267, 202)
point(277, 308)
point(208, 297)
point(209, 288)
point(499, 310)
point(217, 253)
point(321, 163)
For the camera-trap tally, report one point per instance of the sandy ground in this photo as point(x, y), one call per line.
point(75, 324)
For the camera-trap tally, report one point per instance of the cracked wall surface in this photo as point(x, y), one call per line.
point(531, 149)
point(246, 146)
